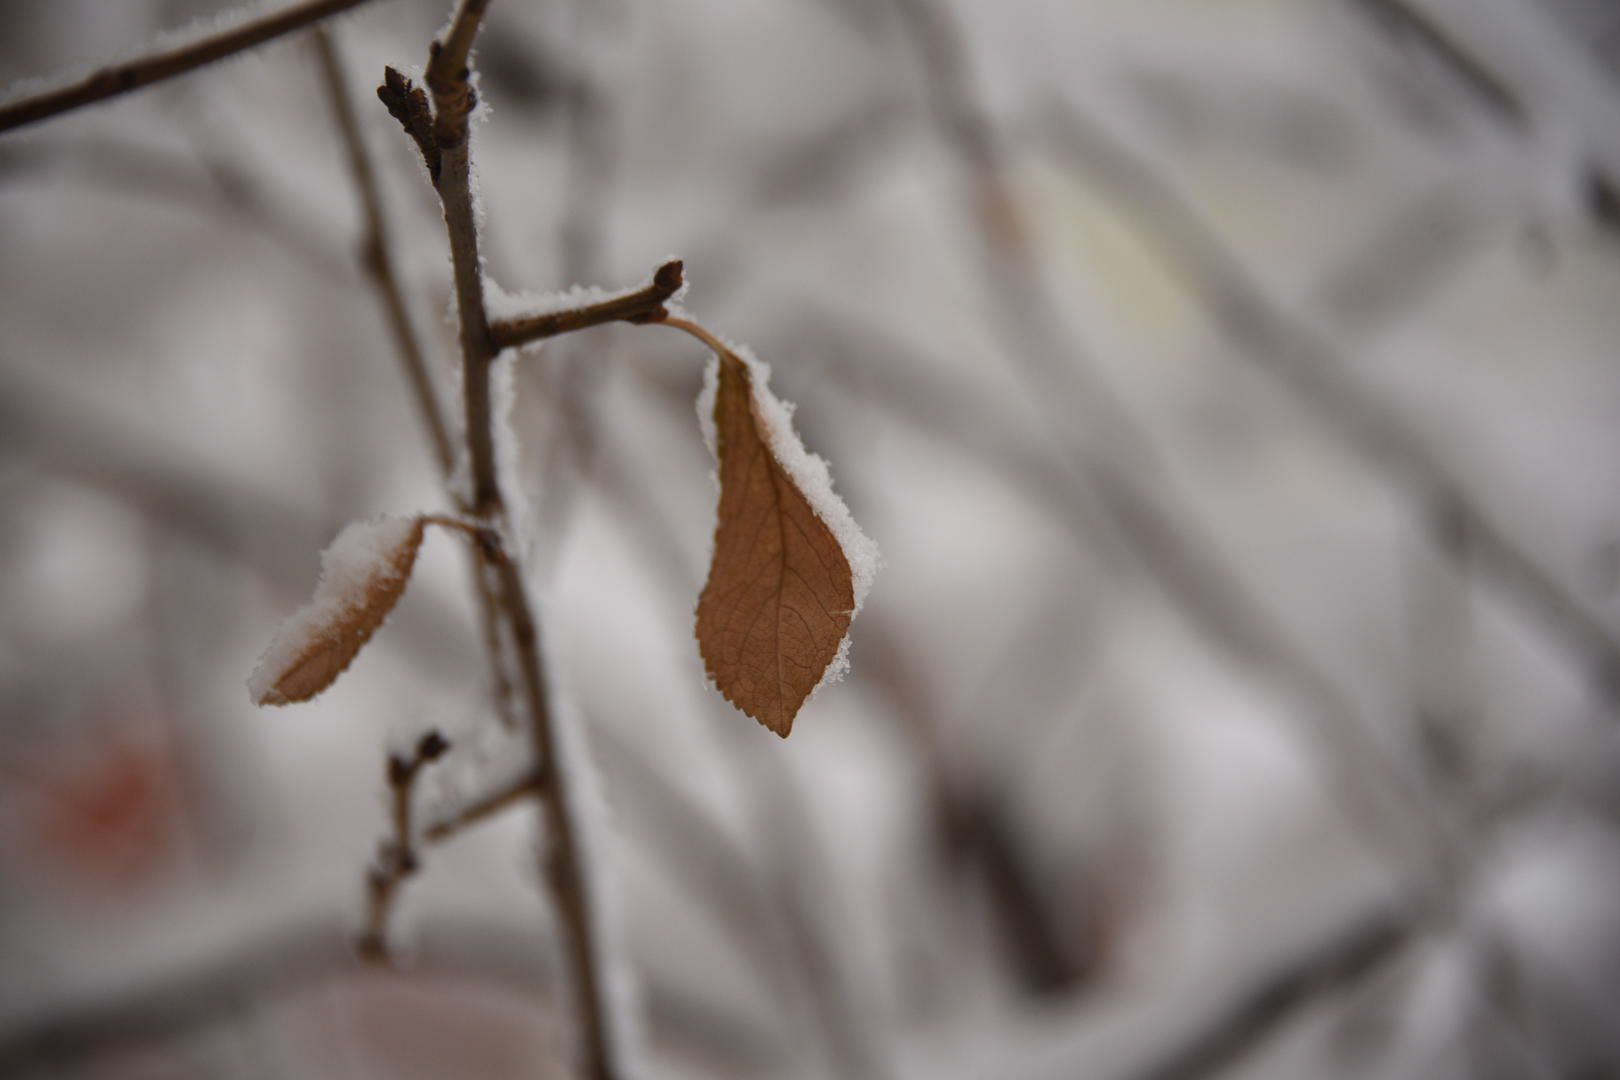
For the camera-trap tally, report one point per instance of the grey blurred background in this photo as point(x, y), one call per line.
point(1230, 384)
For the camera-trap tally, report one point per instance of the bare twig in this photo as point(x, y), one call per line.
point(449, 79)
point(483, 807)
point(644, 305)
point(396, 855)
point(167, 63)
point(378, 254)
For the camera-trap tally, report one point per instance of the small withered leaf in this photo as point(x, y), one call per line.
point(363, 574)
point(780, 595)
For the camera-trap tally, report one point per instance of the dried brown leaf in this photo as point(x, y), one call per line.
point(780, 595)
point(363, 575)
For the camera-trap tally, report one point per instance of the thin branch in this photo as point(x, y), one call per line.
point(449, 71)
point(449, 81)
point(644, 305)
point(378, 254)
point(483, 807)
point(396, 854)
point(130, 75)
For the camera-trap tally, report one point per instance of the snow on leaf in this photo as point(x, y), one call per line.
point(790, 567)
point(363, 575)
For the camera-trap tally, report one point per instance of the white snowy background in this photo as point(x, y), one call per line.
point(1193, 727)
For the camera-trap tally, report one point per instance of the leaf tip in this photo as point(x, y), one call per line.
point(271, 696)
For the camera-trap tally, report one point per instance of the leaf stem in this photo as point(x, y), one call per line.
point(713, 342)
point(483, 534)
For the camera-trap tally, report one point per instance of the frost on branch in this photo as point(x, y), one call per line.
point(790, 566)
point(363, 575)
